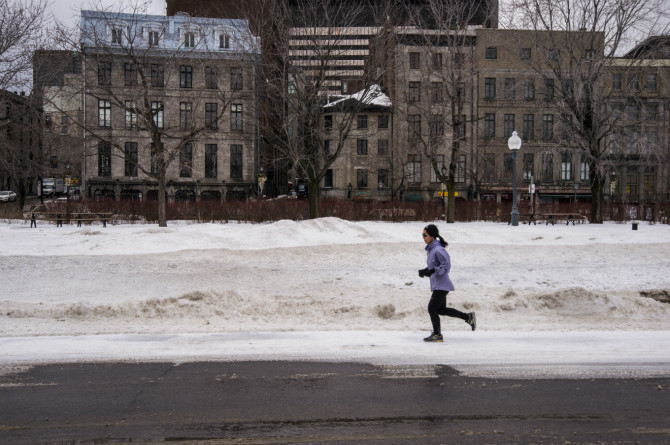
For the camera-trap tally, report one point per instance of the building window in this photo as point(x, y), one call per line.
point(157, 75)
point(236, 78)
point(383, 147)
point(158, 113)
point(362, 147)
point(632, 182)
point(510, 88)
point(383, 178)
point(633, 112)
point(236, 161)
point(185, 76)
point(508, 166)
point(104, 158)
point(328, 179)
point(414, 168)
point(651, 112)
point(584, 171)
point(362, 178)
point(652, 84)
point(437, 61)
point(104, 113)
point(649, 184)
point(131, 114)
point(186, 160)
point(211, 151)
point(459, 128)
point(153, 38)
point(547, 167)
point(566, 167)
point(553, 55)
point(489, 125)
point(436, 91)
point(154, 160)
point(491, 53)
point(490, 88)
point(105, 73)
point(362, 121)
point(547, 127)
point(189, 39)
point(130, 74)
point(224, 41)
point(131, 159)
point(460, 169)
point(328, 121)
point(634, 82)
point(616, 81)
point(528, 166)
point(436, 128)
point(236, 117)
point(414, 127)
point(414, 92)
point(508, 125)
point(211, 78)
point(414, 61)
point(439, 160)
point(383, 121)
point(589, 54)
point(117, 36)
point(529, 89)
point(524, 54)
point(185, 115)
point(328, 147)
point(211, 116)
point(548, 89)
point(489, 173)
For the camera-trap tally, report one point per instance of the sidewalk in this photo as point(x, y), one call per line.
point(504, 354)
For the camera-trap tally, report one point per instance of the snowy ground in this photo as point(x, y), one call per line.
point(550, 300)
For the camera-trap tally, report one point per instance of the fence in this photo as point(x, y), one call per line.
point(274, 210)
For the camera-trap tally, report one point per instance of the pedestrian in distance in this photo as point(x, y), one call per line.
point(439, 265)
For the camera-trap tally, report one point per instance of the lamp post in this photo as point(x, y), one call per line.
point(514, 144)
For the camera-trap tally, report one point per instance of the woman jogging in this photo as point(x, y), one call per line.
point(438, 268)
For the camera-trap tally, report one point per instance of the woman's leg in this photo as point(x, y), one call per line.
point(437, 300)
point(451, 312)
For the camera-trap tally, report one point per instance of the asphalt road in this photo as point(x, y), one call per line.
point(321, 403)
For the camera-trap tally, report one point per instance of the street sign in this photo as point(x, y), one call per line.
point(445, 193)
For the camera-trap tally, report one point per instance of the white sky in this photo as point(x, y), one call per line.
point(69, 11)
point(550, 300)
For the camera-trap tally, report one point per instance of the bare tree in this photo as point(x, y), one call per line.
point(21, 24)
point(20, 31)
point(433, 86)
point(305, 42)
point(168, 92)
point(579, 43)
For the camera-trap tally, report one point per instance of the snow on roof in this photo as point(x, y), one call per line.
point(370, 96)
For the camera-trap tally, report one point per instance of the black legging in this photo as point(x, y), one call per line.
point(438, 306)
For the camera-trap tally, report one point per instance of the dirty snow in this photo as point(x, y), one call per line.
point(329, 289)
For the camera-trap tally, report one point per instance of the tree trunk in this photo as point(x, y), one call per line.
point(312, 193)
point(162, 214)
point(597, 199)
point(451, 200)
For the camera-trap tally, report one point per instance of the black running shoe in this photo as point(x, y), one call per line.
point(472, 320)
point(434, 338)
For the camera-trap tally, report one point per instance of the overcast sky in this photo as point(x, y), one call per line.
point(69, 11)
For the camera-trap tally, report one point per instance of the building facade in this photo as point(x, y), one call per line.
point(173, 96)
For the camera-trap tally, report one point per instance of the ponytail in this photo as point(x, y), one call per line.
point(431, 229)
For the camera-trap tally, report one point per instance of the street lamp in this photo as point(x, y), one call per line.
point(381, 189)
point(514, 144)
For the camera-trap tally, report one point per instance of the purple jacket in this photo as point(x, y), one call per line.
point(438, 259)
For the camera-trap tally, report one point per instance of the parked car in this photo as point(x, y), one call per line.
point(7, 195)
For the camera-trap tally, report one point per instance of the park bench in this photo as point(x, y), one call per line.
point(60, 218)
point(553, 218)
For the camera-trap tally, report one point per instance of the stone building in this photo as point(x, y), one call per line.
point(175, 91)
point(58, 84)
point(20, 143)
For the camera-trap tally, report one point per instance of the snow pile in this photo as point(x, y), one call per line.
point(328, 276)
